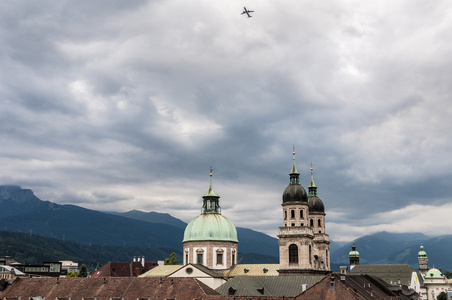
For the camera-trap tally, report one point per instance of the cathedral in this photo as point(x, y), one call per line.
point(210, 239)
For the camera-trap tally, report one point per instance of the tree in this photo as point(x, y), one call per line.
point(72, 274)
point(172, 260)
point(83, 271)
point(442, 296)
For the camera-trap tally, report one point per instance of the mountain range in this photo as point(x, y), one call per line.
point(22, 211)
point(156, 235)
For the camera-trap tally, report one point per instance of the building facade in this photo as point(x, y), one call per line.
point(303, 243)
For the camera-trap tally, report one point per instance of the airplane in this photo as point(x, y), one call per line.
point(245, 11)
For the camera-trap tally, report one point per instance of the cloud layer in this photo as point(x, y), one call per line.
point(117, 106)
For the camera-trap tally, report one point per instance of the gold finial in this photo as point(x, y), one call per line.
point(211, 171)
point(293, 148)
point(311, 166)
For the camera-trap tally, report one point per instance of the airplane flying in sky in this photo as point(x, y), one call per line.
point(245, 11)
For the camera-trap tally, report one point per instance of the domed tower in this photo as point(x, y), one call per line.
point(210, 239)
point(353, 256)
point(298, 251)
point(317, 221)
point(423, 260)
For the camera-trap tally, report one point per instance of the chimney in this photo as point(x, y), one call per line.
point(303, 287)
point(142, 261)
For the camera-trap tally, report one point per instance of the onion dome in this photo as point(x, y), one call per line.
point(210, 225)
point(434, 273)
point(422, 253)
point(294, 192)
point(353, 253)
point(315, 204)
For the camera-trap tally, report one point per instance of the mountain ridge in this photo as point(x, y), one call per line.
point(24, 212)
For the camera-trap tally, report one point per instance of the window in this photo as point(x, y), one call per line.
point(301, 214)
point(233, 258)
point(292, 214)
point(285, 215)
point(319, 222)
point(199, 258)
point(219, 258)
point(327, 260)
point(312, 222)
point(310, 255)
point(293, 254)
point(293, 224)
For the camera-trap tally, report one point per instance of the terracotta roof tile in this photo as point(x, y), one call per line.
point(129, 288)
point(123, 269)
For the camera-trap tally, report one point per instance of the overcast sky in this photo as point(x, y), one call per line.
point(121, 105)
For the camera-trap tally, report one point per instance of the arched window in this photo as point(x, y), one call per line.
point(292, 214)
point(319, 223)
point(293, 254)
point(310, 255)
point(327, 260)
point(312, 222)
point(285, 214)
point(301, 214)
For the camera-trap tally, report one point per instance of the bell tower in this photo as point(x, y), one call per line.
point(423, 260)
point(299, 251)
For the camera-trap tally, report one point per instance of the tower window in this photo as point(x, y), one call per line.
point(293, 224)
point(327, 259)
point(292, 214)
point(310, 255)
point(219, 258)
point(311, 223)
point(199, 258)
point(293, 254)
point(233, 258)
point(319, 222)
point(301, 214)
point(285, 215)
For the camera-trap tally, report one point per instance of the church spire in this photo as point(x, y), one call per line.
point(312, 188)
point(294, 175)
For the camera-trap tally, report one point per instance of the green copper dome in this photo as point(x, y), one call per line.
point(210, 227)
point(422, 253)
point(434, 273)
point(353, 253)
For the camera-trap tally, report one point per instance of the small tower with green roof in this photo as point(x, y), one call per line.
point(423, 261)
point(354, 257)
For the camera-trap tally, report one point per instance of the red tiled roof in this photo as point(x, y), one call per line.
point(123, 269)
point(130, 288)
point(353, 287)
